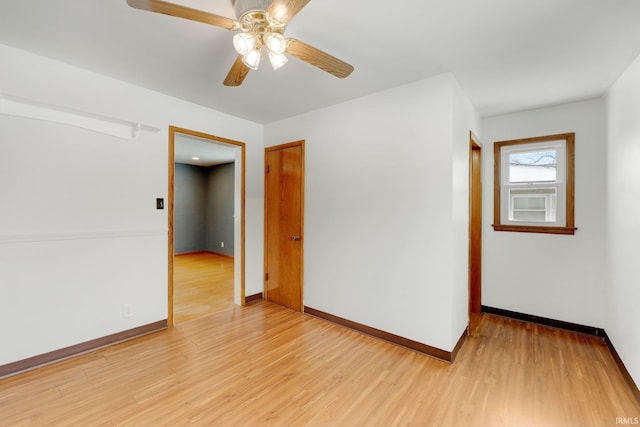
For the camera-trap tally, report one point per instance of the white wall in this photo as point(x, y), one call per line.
point(79, 233)
point(623, 315)
point(555, 276)
point(379, 233)
point(465, 120)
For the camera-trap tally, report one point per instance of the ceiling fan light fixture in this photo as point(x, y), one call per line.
point(277, 59)
point(259, 23)
point(275, 42)
point(244, 43)
point(252, 59)
point(246, 6)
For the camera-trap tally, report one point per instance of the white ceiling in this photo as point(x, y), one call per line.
point(207, 153)
point(508, 55)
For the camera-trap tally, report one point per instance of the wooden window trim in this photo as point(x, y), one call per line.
point(569, 228)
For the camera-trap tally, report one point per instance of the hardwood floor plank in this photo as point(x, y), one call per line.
point(202, 285)
point(266, 365)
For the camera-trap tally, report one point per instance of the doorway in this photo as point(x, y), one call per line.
point(284, 224)
point(238, 263)
point(475, 234)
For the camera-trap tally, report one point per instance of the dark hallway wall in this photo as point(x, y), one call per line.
point(204, 208)
point(219, 207)
point(190, 208)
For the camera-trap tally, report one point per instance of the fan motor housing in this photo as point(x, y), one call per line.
point(242, 7)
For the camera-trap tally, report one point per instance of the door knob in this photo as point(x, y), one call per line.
point(295, 237)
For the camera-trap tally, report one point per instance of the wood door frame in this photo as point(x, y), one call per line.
point(475, 231)
point(301, 144)
point(171, 211)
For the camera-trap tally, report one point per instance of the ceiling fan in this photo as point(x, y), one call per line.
point(260, 24)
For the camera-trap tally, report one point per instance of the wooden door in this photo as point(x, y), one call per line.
point(284, 233)
point(475, 237)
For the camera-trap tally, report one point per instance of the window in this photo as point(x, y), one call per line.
point(534, 185)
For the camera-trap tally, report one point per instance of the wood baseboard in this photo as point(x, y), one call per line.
point(428, 350)
point(75, 350)
point(545, 321)
point(573, 327)
point(459, 344)
point(623, 369)
point(253, 298)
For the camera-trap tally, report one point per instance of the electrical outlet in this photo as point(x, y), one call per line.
point(222, 244)
point(127, 311)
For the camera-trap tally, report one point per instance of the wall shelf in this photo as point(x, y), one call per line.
point(123, 129)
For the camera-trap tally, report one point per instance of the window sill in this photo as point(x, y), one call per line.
point(534, 229)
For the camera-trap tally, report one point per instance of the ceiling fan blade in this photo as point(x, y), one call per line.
point(318, 58)
point(282, 11)
point(237, 73)
point(172, 9)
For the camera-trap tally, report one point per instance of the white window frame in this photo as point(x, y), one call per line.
point(559, 147)
point(564, 144)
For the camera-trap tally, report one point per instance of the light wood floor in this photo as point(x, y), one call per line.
point(202, 285)
point(266, 365)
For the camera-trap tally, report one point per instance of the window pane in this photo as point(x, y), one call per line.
point(533, 204)
point(528, 216)
point(534, 166)
point(529, 202)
